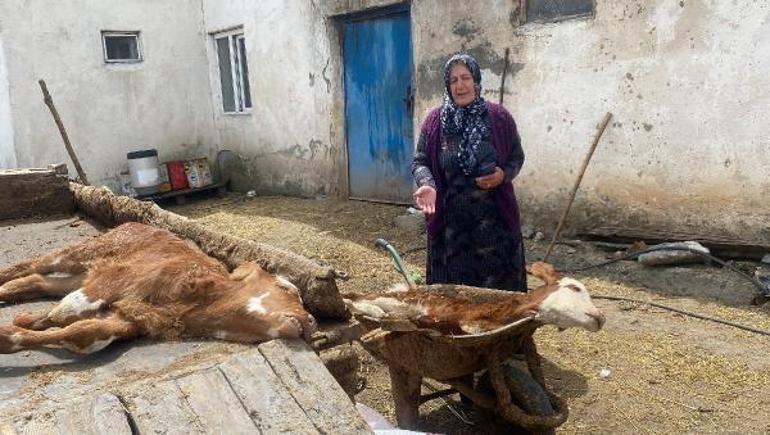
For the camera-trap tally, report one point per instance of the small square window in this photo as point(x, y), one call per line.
point(233, 71)
point(121, 47)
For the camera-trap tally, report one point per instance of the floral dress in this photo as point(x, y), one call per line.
point(475, 246)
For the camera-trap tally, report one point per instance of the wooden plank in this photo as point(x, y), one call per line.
point(108, 416)
point(313, 387)
point(162, 408)
point(721, 246)
point(215, 404)
point(102, 414)
point(270, 405)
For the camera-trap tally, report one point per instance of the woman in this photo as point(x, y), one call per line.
point(467, 155)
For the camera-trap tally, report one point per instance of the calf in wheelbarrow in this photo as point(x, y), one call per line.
point(450, 332)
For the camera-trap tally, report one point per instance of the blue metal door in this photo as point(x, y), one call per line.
point(378, 107)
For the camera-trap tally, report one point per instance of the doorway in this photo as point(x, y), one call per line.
point(377, 53)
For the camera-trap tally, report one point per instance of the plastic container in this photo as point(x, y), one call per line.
point(176, 175)
point(143, 168)
point(165, 183)
point(198, 172)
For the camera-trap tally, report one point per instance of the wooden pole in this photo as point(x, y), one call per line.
point(587, 159)
point(49, 102)
point(505, 72)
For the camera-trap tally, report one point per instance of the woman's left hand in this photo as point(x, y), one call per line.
point(492, 180)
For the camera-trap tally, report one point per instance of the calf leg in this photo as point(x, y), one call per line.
point(43, 320)
point(68, 260)
point(82, 337)
point(36, 321)
point(77, 305)
point(36, 286)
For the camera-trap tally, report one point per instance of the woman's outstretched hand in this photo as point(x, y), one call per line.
point(492, 180)
point(425, 197)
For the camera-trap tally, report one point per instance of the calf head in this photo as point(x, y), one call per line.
point(564, 301)
point(277, 299)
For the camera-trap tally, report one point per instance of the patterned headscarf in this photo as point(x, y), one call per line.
point(469, 122)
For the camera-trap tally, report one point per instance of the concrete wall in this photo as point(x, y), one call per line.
point(687, 82)
point(689, 146)
point(290, 141)
point(7, 150)
point(163, 102)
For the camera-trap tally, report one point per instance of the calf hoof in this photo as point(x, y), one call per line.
point(29, 320)
point(9, 343)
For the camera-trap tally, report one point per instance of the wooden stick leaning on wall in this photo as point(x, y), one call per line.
point(49, 102)
point(502, 78)
point(602, 127)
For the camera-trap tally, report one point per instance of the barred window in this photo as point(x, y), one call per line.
point(548, 11)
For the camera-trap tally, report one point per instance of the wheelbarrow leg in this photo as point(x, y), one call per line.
point(534, 361)
point(405, 387)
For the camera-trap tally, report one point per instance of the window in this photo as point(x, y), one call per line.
point(556, 10)
point(121, 47)
point(233, 71)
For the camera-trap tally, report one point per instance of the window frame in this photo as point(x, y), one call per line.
point(523, 19)
point(122, 33)
point(238, 77)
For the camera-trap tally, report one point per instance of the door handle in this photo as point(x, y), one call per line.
point(409, 99)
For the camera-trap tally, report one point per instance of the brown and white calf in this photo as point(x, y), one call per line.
point(561, 301)
point(141, 281)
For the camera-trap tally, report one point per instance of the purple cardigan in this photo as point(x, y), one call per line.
point(505, 139)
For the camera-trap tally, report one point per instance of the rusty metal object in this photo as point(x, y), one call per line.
point(421, 353)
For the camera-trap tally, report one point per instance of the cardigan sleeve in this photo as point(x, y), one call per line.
point(515, 159)
point(421, 164)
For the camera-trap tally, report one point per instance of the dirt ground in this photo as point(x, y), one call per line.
point(648, 371)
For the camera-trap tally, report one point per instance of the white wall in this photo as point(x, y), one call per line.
point(688, 83)
point(163, 102)
point(688, 149)
point(285, 142)
point(7, 150)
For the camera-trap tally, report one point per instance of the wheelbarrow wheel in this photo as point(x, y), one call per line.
point(526, 393)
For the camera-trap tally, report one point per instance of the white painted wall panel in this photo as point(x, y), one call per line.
point(7, 150)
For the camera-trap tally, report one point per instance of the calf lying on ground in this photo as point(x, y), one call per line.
point(561, 301)
point(140, 281)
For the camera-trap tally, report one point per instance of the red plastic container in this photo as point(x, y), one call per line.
point(176, 175)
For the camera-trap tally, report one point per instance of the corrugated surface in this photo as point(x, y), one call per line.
point(378, 58)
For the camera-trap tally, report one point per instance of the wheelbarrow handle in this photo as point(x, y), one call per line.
point(384, 244)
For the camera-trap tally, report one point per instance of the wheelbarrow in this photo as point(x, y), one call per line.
point(474, 365)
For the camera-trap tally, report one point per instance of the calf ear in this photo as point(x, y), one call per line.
point(544, 271)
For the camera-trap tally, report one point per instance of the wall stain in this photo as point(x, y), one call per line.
point(466, 29)
point(315, 146)
point(326, 79)
point(515, 16)
point(311, 79)
point(429, 73)
point(297, 151)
